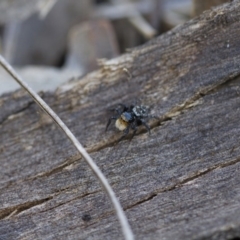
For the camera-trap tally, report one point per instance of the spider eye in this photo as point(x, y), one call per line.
point(126, 116)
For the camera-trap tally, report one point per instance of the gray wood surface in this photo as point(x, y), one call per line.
point(181, 182)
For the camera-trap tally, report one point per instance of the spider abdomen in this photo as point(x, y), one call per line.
point(120, 124)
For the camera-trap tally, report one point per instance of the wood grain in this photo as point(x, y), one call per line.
point(181, 182)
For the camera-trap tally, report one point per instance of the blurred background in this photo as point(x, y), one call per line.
point(51, 41)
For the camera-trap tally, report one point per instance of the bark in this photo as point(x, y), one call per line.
point(181, 182)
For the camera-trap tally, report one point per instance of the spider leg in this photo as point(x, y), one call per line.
point(126, 131)
point(123, 106)
point(146, 126)
point(134, 128)
point(119, 111)
point(109, 121)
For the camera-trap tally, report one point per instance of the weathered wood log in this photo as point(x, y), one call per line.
point(182, 182)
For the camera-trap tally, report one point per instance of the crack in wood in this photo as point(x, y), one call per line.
point(57, 169)
point(22, 109)
point(146, 199)
point(182, 183)
point(71, 200)
point(12, 211)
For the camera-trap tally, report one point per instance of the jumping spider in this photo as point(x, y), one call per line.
point(130, 117)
